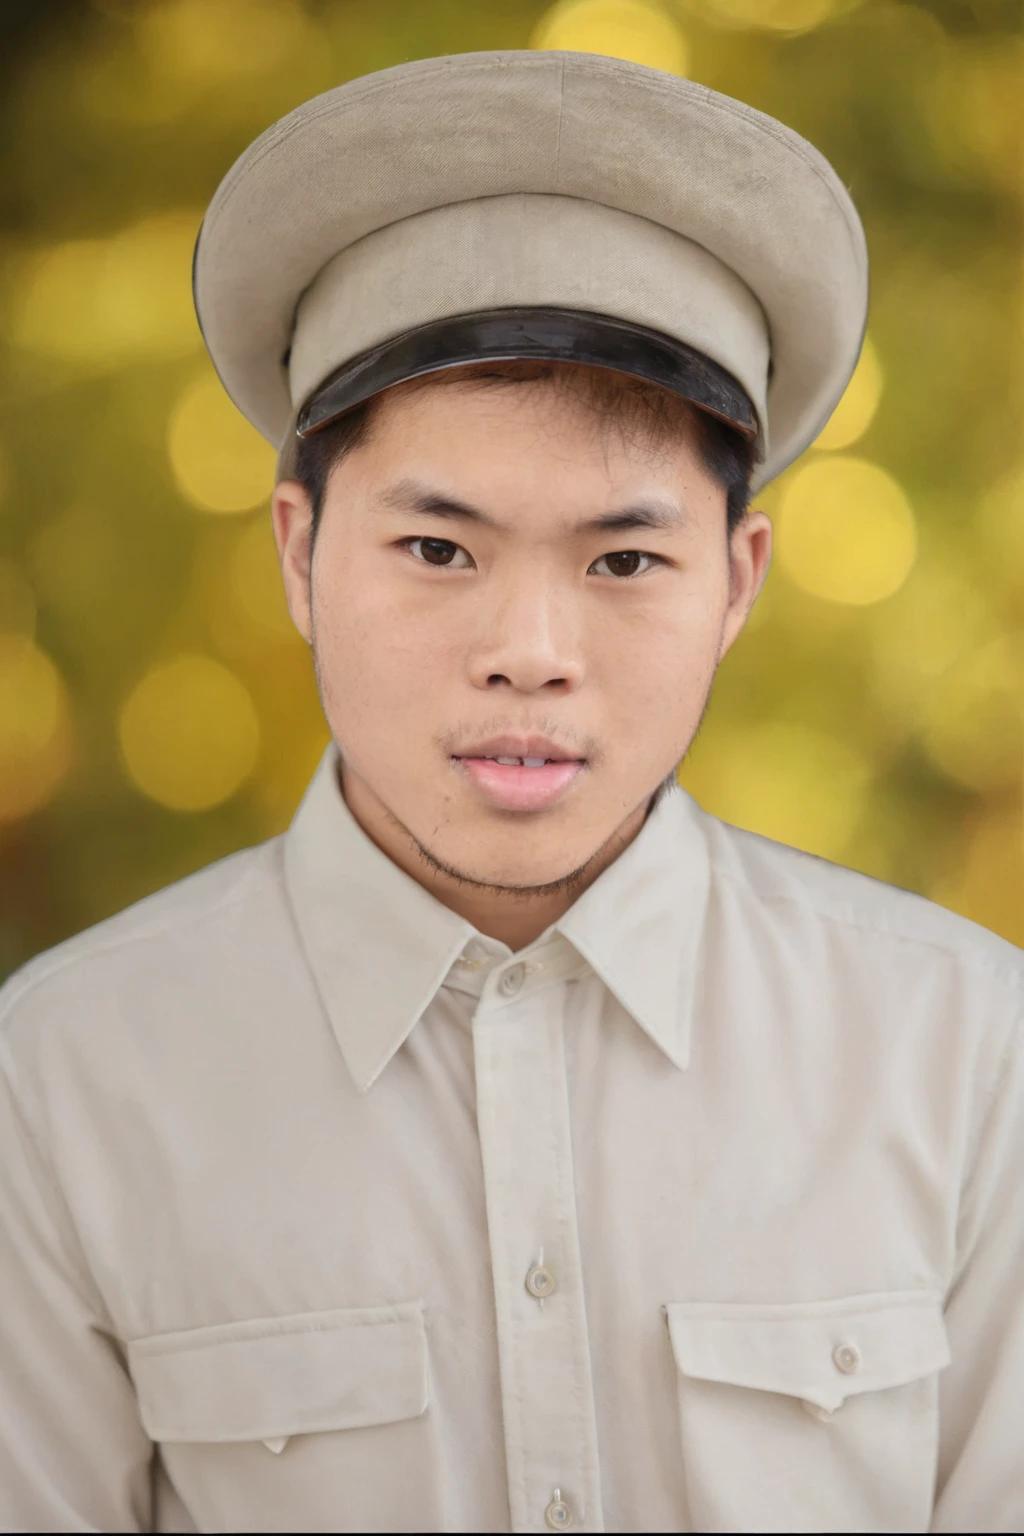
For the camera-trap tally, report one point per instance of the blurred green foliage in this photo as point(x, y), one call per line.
point(157, 711)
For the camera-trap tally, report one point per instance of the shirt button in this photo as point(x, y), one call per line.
point(511, 980)
point(846, 1358)
point(558, 1515)
point(540, 1282)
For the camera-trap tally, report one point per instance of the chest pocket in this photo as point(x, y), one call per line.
point(272, 1378)
point(810, 1417)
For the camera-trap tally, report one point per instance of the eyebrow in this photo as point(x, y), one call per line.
point(413, 496)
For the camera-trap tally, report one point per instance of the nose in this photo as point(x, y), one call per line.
point(529, 641)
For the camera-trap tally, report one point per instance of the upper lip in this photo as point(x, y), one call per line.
point(520, 746)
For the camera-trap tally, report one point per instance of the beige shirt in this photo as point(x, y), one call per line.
point(321, 1212)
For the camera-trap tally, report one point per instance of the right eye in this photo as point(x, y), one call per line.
point(439, 552)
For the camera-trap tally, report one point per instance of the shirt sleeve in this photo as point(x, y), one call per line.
point(981, 1459)
point(73, 1454)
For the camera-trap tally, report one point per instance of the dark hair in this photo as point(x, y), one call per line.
point(640, 407)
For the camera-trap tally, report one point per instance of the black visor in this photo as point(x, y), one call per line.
point(508, 335)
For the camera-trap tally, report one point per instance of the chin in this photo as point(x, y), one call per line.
point(519, 856)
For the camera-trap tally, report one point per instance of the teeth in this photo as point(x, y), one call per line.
point(534, 762)
point(521, 762)
point(510, 762)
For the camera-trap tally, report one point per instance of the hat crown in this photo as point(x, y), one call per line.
point(377, 153)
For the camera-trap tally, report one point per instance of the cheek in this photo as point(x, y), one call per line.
point(660, 690)
point(662, 656)
point(373, 645)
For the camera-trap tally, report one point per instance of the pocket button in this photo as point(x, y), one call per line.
point(846, 1358)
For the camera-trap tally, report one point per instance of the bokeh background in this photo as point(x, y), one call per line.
point(156, 709)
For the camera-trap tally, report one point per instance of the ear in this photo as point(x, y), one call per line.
point(750, 555)
point(291, 513)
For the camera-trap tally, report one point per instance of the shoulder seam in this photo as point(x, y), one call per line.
point(1014, 976)
point(183, 920)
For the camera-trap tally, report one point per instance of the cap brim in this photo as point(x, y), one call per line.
point(534, 334)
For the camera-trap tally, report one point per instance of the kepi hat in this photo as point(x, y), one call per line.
point(541, 205)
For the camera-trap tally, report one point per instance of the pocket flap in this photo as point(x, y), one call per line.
point(822, 1352)
point(279, 1376)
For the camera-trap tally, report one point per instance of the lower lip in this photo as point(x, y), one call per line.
point(520, 789)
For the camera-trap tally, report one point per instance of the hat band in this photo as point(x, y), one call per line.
point(535, 334)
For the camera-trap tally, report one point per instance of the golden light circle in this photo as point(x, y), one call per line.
point(855, 411)
point(620, 29)
point(845, 531)
point(35, 735)
point(189, 734)
point(219, 461)
point(975, 727)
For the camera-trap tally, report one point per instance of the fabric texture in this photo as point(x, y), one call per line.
point(503, 252)
point(321, 1211)
point(615, 188)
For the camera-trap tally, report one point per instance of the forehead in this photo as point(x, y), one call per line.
point(533, 456)
point(556, 398)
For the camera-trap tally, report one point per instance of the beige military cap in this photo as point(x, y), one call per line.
point(533, 204)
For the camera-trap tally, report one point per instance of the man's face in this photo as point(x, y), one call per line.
point(498, 573)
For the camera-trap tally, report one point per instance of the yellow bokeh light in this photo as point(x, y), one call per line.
point(845, 531)
point(621, 29)
point(773, 15)
point(35, 733)
point(783, 779)
point(855, 411)
point(107, 302)
point(189, 734)
point(219, 461)
point(17, 601)
point(975, 727)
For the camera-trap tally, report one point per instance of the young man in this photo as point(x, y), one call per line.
point(512, 1145)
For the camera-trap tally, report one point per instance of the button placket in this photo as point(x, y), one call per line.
point(544, 1353)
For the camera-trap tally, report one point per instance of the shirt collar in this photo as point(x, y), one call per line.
point(380, 946)
point(641, 924)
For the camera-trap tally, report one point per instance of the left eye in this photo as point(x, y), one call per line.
point(624, 563)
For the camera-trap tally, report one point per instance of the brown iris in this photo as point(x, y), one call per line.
point(437, 551)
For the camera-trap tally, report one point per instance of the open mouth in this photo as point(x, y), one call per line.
point(521, 783)
point(519, 762)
